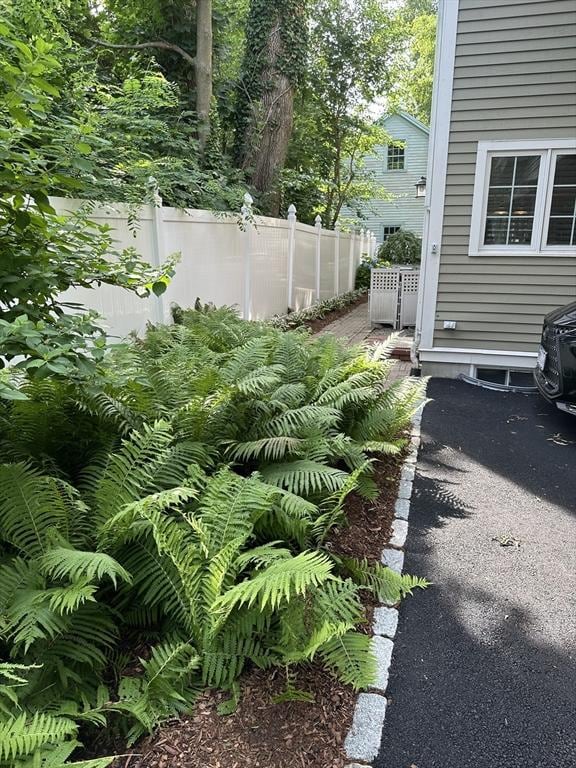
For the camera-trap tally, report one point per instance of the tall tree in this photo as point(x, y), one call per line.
point(412, 66)
point(350, 44)
point(273, 65)
point(204, 41)
point(181, 29)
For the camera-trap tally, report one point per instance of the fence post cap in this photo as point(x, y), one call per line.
point(337, 227)
point(155, 189)
point(318, 220)
point(246, 209)
point(291, 212)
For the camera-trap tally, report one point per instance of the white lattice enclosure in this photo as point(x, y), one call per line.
point(384, 290)
point(394, 296)
point(408, 298)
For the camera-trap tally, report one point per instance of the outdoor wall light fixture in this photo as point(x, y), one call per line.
point(421, 187)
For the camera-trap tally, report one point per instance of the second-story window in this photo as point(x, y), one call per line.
point(396, 157)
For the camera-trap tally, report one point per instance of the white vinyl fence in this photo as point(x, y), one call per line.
point(262, 265)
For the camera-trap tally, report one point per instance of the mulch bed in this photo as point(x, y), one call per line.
point(322, 322)
point(264, 734)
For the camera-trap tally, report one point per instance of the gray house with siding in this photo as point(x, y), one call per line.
point(397, 168)
point(499, 246)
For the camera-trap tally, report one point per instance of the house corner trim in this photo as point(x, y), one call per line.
point(437, 168)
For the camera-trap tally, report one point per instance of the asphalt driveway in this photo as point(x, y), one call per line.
point(484, 666)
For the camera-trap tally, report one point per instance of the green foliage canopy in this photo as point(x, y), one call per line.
point(45, 254)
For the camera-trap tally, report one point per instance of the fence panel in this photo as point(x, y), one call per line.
point(327, 264)
point(304, 266)
point(123, 312)
point(344, 262)
point(269, 255)
point(211, 266)
point(220, 260)
point(409, 298)
point(384, 291)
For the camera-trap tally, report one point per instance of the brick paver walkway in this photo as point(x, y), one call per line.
point(355, 328)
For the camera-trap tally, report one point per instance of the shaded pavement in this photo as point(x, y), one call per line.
point(484, 666)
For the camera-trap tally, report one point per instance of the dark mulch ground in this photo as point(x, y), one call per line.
point(264, 734)
point(370, 522)
point(260, 734)
point(322, 322)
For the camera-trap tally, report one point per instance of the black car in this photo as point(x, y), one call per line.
point(555, 372)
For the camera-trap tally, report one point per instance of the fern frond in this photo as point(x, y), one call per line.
point(130, 472)
point(163, 691)
point(319, 417)
point(263, 555)
point(278, 582)
point(304, 478)
point(85, 639)
point(30, 619)
point(386, 584)
point(73, 564)
point(157, 584)
point(57, 757)
point(351, 657)
point(332, 508)
point(22, 735)
point(12, 678)
point(66, 600)
point(253, 354)
point(268, 449)
point(31, 505)
point(260, 380)
point(230, 505)
point(226, 656)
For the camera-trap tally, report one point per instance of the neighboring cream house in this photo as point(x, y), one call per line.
point(397, 169)
point(499, 248)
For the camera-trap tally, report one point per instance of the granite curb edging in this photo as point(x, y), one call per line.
point(362, 743)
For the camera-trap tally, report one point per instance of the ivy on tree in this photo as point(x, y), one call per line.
point(273, 66)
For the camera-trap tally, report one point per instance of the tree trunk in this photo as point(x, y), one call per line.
point(203, 69)
point(270, 126)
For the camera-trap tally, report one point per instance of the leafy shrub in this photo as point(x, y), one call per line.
point(401, 248)
point(160, 533)
point(317, 311)
point(362, 281)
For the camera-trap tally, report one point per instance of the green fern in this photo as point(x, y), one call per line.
point(387, 585)
point(305, 478)
point(31, 505)
point(164, 689)
point(350, 656)
point(278, 582)
point(12, 678)
point(61, 562)
point(182, 507)
point(24, 734)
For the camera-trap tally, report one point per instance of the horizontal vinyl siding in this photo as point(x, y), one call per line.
point(402, 208)
point(514, 78)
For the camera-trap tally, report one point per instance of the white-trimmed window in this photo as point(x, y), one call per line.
point(387, 230)
point(524, 198)
point(396, 156)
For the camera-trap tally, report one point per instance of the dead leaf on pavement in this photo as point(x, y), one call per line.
point(559, 440)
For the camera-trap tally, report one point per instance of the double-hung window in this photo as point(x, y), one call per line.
point(396, 156)
point(524, 198)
